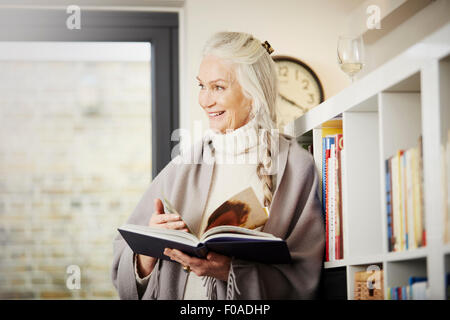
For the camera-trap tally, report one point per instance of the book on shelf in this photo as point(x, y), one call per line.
point(404, 199)
point(330, 208)
point(328, 144)
point(421, 230)
point(391, 239)
point(231, 230)
point(338, 195)
point(417, 289)
point(368, 285)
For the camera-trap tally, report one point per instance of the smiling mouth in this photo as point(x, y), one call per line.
point(215, 114)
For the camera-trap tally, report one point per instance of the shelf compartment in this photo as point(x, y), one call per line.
point(361, 194)
point(397, 273)
point(369, 268)
point(400, 121)
point(400, 129)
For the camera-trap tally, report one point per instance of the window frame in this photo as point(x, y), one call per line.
point(158, 28)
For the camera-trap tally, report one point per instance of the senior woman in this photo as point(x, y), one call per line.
point(238, 92)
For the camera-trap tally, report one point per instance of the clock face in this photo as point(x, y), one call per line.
point(299, 89)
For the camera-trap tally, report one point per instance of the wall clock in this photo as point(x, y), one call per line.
point(299, 89)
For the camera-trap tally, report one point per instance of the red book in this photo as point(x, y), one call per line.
point(338, 221)
point(327, 244)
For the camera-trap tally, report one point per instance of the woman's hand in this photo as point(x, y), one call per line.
point(159, 219)
point(215, 265)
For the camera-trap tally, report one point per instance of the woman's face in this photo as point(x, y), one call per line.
point(221, 95)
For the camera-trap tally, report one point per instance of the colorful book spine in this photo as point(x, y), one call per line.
point(404, 232)
point(331, 180)
point(404, 200)
point(389, 204)
point(324, 182)
point(416, 289)
point(342, 161)
point(331, 201)
point(324, 192)
point(422, 213)
point(409, 199)
point(395, 202)
point(416, 198)
point(339, 235)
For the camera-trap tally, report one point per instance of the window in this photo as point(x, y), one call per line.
point(78, 147)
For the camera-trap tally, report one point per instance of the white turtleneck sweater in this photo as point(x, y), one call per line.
point(234, 171)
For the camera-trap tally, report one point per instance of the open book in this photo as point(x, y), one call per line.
point(230, 230)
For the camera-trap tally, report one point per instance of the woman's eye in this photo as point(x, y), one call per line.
point(219, 88)
point(201, 86)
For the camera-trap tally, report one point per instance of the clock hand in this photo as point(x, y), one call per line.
point(291, 102)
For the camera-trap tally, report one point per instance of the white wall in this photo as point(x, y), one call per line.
point(304, 29)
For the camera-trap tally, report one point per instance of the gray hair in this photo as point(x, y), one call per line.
point(256, 73)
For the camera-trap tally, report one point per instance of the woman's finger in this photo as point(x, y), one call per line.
point(177, 254)
point(164, 218)
point(189, 260)
point(173, 256)
point(182, 258)
point(175, 225)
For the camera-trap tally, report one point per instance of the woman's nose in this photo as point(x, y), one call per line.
point(206, 99)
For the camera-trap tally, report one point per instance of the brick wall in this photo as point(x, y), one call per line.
point(75, 158)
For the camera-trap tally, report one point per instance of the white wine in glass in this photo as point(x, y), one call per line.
point(350, 54)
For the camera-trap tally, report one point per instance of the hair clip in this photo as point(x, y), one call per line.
point(268, 47)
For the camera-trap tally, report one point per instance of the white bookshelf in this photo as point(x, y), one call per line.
point(382, 112)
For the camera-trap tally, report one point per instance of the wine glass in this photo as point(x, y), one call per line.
point(350, 54)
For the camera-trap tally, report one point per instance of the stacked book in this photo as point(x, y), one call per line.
point(329, 140)
point(417, 289)
point(369, 286)
point(404, 199)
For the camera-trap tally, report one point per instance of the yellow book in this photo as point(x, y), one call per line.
point(416, 199)
point(331, 127)
point(410, 198)
point(399, 239)
point(330, 131)
point(402, 201)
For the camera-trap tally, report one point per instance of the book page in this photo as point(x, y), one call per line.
point(242, 210)
point(234, 231)
point(169, 208)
